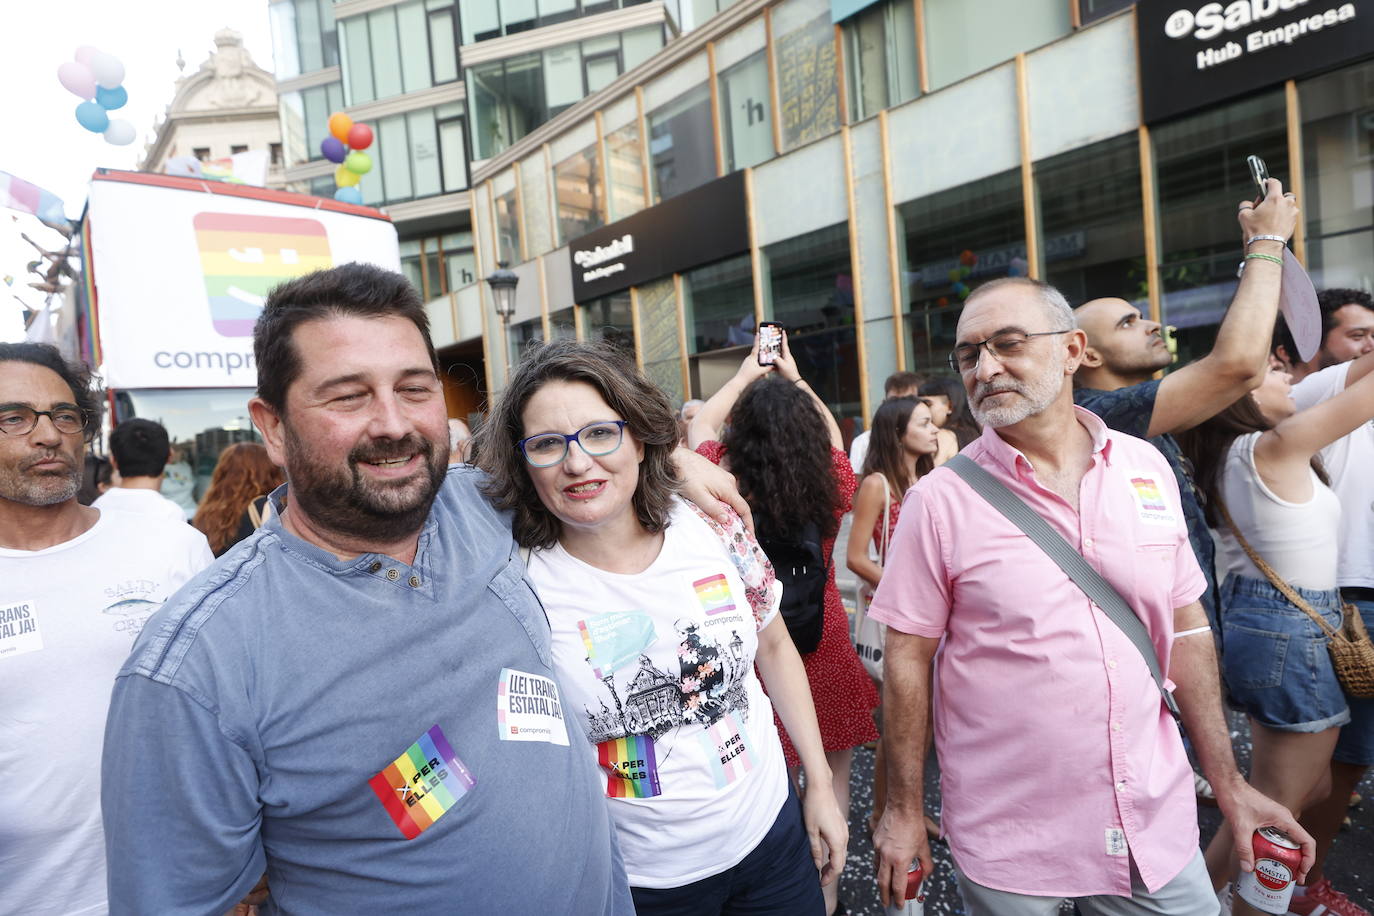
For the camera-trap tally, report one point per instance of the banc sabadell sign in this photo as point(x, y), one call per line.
point(1196, 55)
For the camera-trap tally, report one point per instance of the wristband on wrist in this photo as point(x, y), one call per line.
point(1265, 238)
point(1255, 256)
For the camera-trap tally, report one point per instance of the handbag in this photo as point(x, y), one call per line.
point(1099, 590)
point(1352, 654)
point(870, 636)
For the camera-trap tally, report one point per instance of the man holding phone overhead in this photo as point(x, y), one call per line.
point(1116, 378)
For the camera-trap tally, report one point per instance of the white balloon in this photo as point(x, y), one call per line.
point(108, 69)
point(120, 132)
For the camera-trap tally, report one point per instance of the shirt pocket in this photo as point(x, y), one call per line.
point(519, 597)
point(1155, 574)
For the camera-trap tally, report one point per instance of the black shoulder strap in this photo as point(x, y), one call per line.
point(1098, 589)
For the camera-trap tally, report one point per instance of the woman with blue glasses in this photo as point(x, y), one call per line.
point(659, 616)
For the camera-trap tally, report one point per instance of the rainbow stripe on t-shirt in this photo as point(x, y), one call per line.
point(714, 594)
point(631, 767)
point(423, 783)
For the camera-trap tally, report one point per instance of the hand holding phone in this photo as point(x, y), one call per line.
point(769, 342)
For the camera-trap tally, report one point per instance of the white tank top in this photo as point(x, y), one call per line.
point(1299, 540)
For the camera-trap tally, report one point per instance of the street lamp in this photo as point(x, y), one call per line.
point(503, 283)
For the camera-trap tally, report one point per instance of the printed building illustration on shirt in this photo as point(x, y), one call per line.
point(710, 682)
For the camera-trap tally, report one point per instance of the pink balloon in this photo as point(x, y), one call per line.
point(85, 54)
point(77, 79)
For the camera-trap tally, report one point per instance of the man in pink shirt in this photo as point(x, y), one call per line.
point(1064, 775)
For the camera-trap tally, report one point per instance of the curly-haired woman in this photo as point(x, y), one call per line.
point(242, 479)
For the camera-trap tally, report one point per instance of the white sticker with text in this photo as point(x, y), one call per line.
point(1150, 500)
point(19, 631)
point(528, 708)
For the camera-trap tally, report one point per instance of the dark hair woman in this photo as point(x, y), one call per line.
point(785, 450)
point(242, 479)
point(949, 407)
point(1256, 462)
point(649, 603)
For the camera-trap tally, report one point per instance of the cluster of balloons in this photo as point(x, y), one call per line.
point(345, 145)
point(957, 275)
point(97, 78)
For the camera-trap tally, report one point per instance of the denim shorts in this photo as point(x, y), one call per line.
point(1274, 657)
point(1356, 744)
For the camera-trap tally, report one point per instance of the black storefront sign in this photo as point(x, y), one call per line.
point(703, 225)
point(1195, 54)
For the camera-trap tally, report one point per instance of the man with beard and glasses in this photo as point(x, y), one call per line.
point(1116, 379)
point(359, 699)
point(76, 585)
point(1032, 670)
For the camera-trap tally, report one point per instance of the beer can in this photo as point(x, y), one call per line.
point(1277, 859)
point(915, 902)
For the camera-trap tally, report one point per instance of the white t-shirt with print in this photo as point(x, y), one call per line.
point(1349, 462)
point(68, 618)
point(659, 668)
point(144, 502)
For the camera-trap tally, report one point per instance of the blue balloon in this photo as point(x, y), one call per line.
point(110, 99)
point(349, 195)
point(333, 150)
point(92, 117)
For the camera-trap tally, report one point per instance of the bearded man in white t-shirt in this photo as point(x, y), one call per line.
point(76, 585)
point(1346, 354)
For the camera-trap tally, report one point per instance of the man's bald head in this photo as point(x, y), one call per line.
point(1123, 346)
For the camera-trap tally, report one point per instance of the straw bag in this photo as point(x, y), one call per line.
point(870, 636)
point(1352, 654)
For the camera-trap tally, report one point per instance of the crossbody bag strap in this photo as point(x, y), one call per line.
point(887, 519)
point(1099, 590)
point(1274, 578)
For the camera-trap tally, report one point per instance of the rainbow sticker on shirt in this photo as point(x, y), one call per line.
point(244, 256)
point(422, 784)
point(724, 746)
point(631, 766)
point(714, 594)
point(1150, 497)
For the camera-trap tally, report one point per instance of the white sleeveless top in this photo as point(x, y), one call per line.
point(1299, 540)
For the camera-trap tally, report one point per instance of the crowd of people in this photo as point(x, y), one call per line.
point(592, 659)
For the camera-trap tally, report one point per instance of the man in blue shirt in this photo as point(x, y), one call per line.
point(1125, 350)
point(324, 703)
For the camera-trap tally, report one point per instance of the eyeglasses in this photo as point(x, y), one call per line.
point(544, 450)
point(18, 420)
point(1003, 346)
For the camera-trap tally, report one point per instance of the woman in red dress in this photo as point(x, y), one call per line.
point(784, 448)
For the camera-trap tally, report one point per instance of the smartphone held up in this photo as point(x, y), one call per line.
point(770, 342)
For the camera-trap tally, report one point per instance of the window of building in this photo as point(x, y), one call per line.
point(811, 290)
point(305, 121)
point(303, 36)
point(202, 153)
point(880, 57)
point(609, 318)
point(562, 77)
point(486, 19)
point(274, 154)
point(437, 266)
point(966, 36)
point(399, 49)
point(411, 255)
point(237, 148)
point(562, 325)
point(1090, 10)
point(1200, 174)
point(507, 99)
point(720, 305)
point(416, 154)
point(625, 171)
point(744, 113)
point(956, 240)
point(580, 195)
point(808, 86)
point(459, 259)
point(521, 337)
point(682, 145)
point(640, 44)
point(1092, 237)
point(507, 228)
point(1338, 162)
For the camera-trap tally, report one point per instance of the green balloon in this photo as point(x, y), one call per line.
point(358, 162)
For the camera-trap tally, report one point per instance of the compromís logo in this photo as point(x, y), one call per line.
point(243, 256)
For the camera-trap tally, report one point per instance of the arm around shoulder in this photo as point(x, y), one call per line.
point(172, 780)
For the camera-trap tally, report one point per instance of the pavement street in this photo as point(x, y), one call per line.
point(1350, 865)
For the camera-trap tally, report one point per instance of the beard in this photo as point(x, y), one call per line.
point(1035, 394)
point(342, 500)
point(42, 488)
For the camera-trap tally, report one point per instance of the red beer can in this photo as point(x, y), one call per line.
point(915, 903)
point(1277, 859)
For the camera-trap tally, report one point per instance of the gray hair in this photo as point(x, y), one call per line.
point(1051, 300)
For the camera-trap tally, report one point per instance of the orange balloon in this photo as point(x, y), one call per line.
point(339, 126)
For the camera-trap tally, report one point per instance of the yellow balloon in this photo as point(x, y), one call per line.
point(339, 125)
point(346, 178)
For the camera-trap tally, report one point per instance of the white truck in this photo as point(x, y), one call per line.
point(176, 271)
